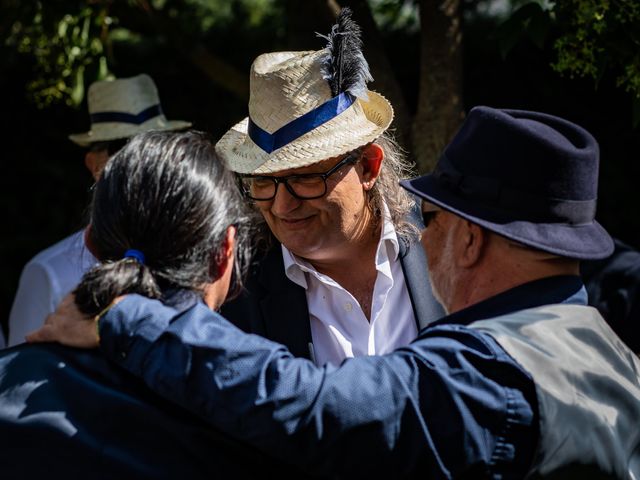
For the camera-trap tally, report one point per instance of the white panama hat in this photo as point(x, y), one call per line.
point(123, 108)
point(294, 118)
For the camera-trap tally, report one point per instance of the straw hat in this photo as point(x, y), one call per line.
point(122, 108)
point(296, 120)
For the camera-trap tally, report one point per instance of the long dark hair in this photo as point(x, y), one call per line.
point(168, 196)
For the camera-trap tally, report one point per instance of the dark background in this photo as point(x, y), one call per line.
point(44, 186)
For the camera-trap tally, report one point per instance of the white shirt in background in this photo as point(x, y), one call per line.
point(45, 281)
point(339, 327)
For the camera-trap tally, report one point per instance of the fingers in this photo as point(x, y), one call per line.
point(68, 326)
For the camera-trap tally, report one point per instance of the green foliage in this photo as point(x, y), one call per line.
point(71, 41)
point(64, 41)
point(600, 36)
point(590, 38)
point(396, 15)
point(200, 16)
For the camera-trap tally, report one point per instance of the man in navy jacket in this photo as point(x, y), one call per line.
point(521, 378)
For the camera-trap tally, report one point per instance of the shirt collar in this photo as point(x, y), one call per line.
point(546, 291)
point(295, 267)
point(180, 298)
point(389, 238)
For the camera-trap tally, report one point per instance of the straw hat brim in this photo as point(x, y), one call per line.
point(108, 131)
point(360, 124)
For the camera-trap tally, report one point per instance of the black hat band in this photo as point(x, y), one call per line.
point(123, 117)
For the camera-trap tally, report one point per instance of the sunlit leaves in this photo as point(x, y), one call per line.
point(63, 41)
point(589, 38)
point(70, 41)
point(396, 14)
point(600, 35)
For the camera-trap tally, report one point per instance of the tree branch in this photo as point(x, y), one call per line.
point(440, 109)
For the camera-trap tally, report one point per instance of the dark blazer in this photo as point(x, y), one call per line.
point(274, 307)
point(613, 284)
point(70, 413)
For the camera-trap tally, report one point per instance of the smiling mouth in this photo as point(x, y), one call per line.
point(292, 222)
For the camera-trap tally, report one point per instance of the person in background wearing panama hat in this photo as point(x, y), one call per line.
point(343, 274)
point(118, 109)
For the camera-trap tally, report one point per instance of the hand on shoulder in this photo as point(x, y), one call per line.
point(69, 326)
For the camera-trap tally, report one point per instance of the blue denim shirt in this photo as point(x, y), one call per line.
point(451, 403)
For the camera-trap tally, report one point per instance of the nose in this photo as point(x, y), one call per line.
point(283, 202)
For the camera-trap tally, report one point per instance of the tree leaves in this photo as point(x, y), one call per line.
point(63, 42)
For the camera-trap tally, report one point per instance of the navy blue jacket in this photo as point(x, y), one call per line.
point(452, 404)
point(614, 289)
point(70, 414)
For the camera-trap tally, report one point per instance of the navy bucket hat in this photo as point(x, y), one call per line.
point(527, 176)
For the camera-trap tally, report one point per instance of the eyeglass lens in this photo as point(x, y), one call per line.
point(305, 186)
point(264, 188)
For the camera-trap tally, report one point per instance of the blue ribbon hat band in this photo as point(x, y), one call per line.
point(136, 254)
point(301, 125)
point(123, 117)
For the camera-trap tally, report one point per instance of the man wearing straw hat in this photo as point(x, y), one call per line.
point(344, 275)
point(118, 110)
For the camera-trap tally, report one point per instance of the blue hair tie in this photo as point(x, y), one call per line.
point(133, 253)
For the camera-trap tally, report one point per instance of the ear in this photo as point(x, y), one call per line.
point(224, 257)
point(89, 243)
point(215, 292)
point(95, 162)
point(471, 239)
point(372, 156)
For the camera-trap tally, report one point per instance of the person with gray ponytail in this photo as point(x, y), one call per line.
point(168, 223)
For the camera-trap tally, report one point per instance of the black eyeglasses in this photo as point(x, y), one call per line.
point(427, 217)
point(305, 186)
point(112, 146)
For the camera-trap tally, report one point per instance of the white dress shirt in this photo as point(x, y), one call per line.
point(44, 282)
point(339, 327)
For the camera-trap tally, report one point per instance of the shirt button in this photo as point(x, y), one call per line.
point(348, 307)
point(123, 355)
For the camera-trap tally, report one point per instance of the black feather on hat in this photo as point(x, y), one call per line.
point(345, 67)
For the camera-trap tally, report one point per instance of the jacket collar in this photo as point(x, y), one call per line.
point(546, 291)
point(285, 305)
point(426, 308)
